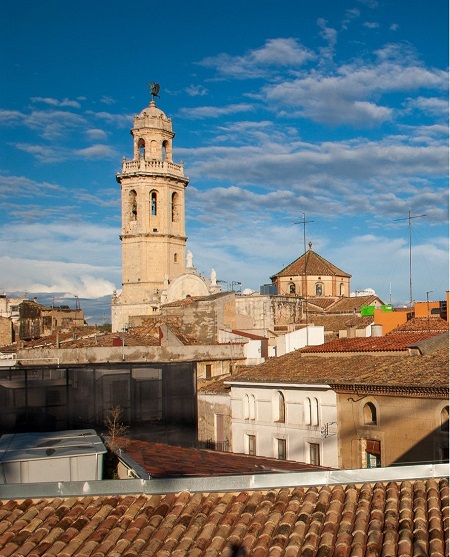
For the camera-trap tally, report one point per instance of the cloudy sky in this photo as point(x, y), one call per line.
point(331, 112)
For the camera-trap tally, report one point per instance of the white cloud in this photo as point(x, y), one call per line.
point(196, 90)
point(214, 111)
point(282, 52)
point(12, 187)
point(118, 120)
point(56, 102)
point(86, 281)
point(95, 133)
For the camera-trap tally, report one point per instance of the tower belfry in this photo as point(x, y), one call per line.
point(153, 216)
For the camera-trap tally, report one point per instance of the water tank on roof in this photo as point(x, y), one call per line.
point(268, 290)
point(73, 455)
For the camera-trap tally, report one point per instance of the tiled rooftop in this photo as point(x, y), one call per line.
point(311, 263)
point(390, 371)
point(386, 519)
point(336, 323)
point(91, 336)
point(422, 324)
point(389, 343)
point(352, 304)
point(162, 461)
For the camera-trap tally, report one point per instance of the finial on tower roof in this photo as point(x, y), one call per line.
point(154, 90)
point(310, 245)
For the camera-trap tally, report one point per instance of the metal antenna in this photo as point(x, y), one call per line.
point(304, 222)
point(305, 293)
point(409, 219)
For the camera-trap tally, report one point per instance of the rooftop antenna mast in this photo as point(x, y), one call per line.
point(305, 293)
point(409, 218)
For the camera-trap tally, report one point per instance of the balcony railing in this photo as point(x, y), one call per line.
point(152, 166)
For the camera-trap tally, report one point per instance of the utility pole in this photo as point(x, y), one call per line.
point(409, 219)
point(428, 309)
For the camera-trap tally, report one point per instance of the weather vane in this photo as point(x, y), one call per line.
point(154, 89)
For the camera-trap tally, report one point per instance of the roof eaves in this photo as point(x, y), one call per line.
point(251, 482)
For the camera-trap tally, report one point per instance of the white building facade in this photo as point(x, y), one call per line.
point(285, 421)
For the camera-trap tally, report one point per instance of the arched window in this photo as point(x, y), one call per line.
point(246, 408)
point(165, 146)
point(174, 207)
point(307, 410)
point(311, 411)
point(291, 288)
point(252, 407)
point(153, 203)
point(370, 414)
point(175, 257)
point(141, 146)
point(444, 419)
point(314, 411)
point(342, 289)
point(133, 205)
point(279, 408)
point(319, 289)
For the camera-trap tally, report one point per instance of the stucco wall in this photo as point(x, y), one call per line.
point(209, 406)
point(297, 433)
point(409, 429)
point(133, 354)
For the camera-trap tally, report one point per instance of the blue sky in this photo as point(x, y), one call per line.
point(333, 110)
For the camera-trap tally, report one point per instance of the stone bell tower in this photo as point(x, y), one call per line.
point(153, 216)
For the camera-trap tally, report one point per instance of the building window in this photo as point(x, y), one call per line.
point(279, 408)
point(174, 207)
point(370, 414)
point(342, 289)
point(444, 419)
point(373, 453)
point(153, 203)
point(252, 408)
point(281, 449)
point(164, 149)
point(311, 411)
point(251, 445)
point(208, 368)
point(175, 257)
point(246, 407)
point(133, 205)
point(292, 288)
point(314, 454)
point(319, 289)
point(141, 147)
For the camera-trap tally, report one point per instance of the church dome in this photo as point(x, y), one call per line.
point(153, 111)
point(153, 118)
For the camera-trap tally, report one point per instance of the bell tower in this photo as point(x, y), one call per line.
point(153, 216)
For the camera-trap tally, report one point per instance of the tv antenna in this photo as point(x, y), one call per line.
point(305, 293)
point(409, 218)
point(304, 222)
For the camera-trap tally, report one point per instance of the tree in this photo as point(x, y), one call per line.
point(117, 431)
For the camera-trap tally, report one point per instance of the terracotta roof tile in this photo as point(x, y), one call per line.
point(387, 343)
point(162, 461)
point(428, 371)
point(311, 263)
point(336, 323)
point(422, 324)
